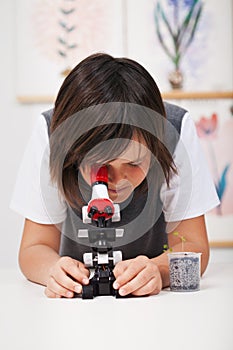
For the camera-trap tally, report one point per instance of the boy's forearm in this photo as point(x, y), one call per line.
point(36, 261)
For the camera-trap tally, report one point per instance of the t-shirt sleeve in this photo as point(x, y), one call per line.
point(34, 195)
point(191, 192)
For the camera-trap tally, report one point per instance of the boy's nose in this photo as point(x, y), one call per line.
point(116, 174)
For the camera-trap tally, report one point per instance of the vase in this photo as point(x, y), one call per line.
point(176, 79)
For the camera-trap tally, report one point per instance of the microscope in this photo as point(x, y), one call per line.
point(99, 212)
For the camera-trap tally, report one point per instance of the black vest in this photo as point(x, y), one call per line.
point(144, 230)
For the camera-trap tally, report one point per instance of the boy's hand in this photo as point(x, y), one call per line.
point(66, 278)
point(139, 276)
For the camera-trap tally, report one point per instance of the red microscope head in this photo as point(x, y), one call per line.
point(100, 208)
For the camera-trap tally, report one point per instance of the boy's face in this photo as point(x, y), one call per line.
point(126, 172)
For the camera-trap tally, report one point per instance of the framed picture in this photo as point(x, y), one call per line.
point(214, 124)
point(53, 36)
point(185, 44)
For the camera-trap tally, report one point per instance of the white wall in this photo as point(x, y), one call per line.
point(16, 124)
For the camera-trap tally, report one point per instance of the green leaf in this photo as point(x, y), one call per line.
point(176, 233)
point(61, 41)
point(70, 29)
point(62, 53)
point(72, 46)
point(187, 20)
point(62, 24)
point(157, 14)
point(196, 20)
point(67, 12)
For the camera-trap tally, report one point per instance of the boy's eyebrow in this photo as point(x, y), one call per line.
point(138, 159)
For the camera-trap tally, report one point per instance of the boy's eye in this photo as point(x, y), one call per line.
point(135, 164)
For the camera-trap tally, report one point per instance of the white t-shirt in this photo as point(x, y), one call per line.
point(191, 193)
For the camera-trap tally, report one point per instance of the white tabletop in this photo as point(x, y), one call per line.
point(170, 320)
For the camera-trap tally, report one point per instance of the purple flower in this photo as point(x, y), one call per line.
point(189, 3)
point(180, 24)
point(185, 3)
point(173, 2)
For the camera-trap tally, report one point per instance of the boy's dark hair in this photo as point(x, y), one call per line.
point(102, 80)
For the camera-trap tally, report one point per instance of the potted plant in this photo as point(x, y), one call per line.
point(184, 269)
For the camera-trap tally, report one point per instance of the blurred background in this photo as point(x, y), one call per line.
point(184, 44)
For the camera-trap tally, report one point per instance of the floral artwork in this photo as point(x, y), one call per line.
point(183, 41)
point(176, 29)
point(217, 142)
point(54, 36)
point(66, 30)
